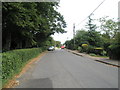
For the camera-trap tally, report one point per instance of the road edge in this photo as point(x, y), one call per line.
point(98, 60)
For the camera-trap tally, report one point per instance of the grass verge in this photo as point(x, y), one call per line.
point(92, 54)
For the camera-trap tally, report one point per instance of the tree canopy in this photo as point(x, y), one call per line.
point(28, 24)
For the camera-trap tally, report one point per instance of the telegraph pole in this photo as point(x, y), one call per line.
point(119, 15)
point(74, 33)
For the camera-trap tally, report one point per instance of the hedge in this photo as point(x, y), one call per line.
point(0, 70)
point(114, 51)
point(13, 61)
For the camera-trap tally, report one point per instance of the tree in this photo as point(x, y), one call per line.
point(114, 48)
point(93, 36)
point(58, 44)
point(109, 27)
point(110, 30)
point(81, 37)
point(28, 24)
point(90, 26)
point(69, 44)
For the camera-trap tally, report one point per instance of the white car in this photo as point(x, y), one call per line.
point(51, 48)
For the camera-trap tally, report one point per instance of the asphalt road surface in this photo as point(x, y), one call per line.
point(62, 69)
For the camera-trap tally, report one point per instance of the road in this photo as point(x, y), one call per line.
point(62, 69)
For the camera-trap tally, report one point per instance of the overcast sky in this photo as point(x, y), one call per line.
point(75, 11)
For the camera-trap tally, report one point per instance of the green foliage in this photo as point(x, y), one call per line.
point(69, 44)
point(90, 49)
point(85, 45)
point(81, 37)
point(92, 54)
point(0, 71)
point(109, 27)
point(98, 51)
point(85, 37)
point(47, 42)
point(114, 51)
point(95, 55)
point(88, 37)
point(90, 26)
point(79, 49)
point(13, 61)
point(27, 24)
point(108, 39)
point(75, 47)
point(94, 38)
point(104, 53)
point(58, 44)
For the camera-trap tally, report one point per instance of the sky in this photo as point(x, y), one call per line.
point(75, 11)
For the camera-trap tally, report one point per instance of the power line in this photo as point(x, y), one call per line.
point(92, 12)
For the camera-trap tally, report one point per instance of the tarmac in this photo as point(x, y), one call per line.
point(104, 60)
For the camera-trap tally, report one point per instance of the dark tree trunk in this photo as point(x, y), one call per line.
point(7, 45)
point(19, 45)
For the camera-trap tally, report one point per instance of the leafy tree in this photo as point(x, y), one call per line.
point(108, 38)
point(69, 44)
point(93, 36)
point(28, 24)
point(58, 44)
point(114, 48)
point(109, 27)
point(110, 31)
point(81, 37)
point(90, 26)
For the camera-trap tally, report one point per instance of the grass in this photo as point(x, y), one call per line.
point(92, 54)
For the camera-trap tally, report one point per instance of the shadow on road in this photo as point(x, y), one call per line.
point(36, 83)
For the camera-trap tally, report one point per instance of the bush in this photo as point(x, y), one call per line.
point(92, 54)
point(90, 49)
point(79, 49)
point(84, 47)
point(75, 47)
point(0, 71)
point(104, 53)
point(13, 61)
point(114, 51)
point(98, 51)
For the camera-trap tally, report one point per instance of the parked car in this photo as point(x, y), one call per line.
point(51, 48)
point(62, 47)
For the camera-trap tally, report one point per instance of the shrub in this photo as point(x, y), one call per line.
point(84, 47)
point(104, 53)
point(79, 49)
point(90, 49)
point(13, 61)
point(98, 51)
point(0, 71)
point(75, 47)
point(114, 51)
point(92, 54)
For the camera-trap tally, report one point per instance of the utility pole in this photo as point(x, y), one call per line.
point(67, 43)
point(119, 15)
point(74, 33)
